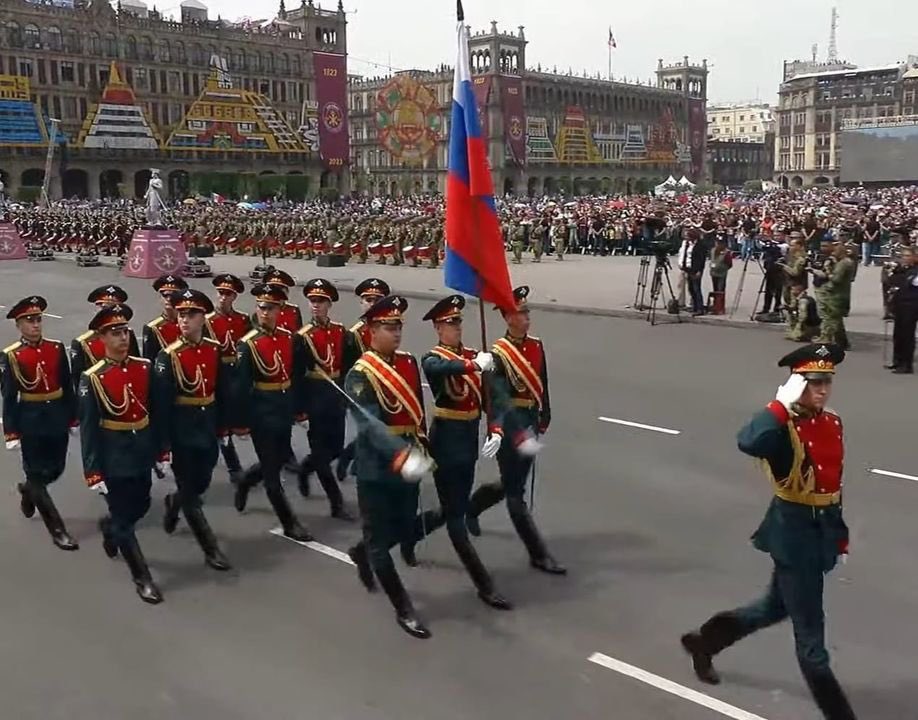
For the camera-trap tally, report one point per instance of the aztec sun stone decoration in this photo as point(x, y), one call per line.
point(407, 119)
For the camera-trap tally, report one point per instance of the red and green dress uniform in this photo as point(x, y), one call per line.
point(324, 358)
point(159, 334)
point(87, 349)
point(802, 455)
point(227, 330)
point(267, 400)
point(118, 443)
point(39, 406)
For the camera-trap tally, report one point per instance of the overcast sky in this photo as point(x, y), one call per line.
point(745, 41)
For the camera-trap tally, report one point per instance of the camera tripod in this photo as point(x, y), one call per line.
point(658, 287)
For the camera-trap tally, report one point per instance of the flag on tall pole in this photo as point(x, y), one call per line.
point(612, 44)
point(476, 262)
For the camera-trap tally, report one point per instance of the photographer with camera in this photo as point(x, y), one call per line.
point(772, 254)
point(903, 303)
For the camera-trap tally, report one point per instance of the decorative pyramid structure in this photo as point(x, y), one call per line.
point(21, 122)
point(227, 119)
point(118, 121)
point(575, 141)
point(538, 145)
point(634, 150)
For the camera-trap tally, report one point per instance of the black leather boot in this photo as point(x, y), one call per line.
point(241, 495)
point(360, 558)
point(26, 504)
point(829, 695)
point(292, 527)
point(717, 634)
point(333, 493)
point(344, 462)
point(231, 458)
point(305, 470)
point(171, 514)
point(197, 521)
point(143, 582)
point(108, 541)
point(52, 519)
point(405, 615)
point(479, 573)
point(539, 557)
point(486, 496)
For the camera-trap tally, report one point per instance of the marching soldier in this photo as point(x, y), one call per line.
point(522, 411)
point(119, 447)
point(538, 241)
point(385, 386)
point(158, 334)
point(289, 317)
point(356, 343)
point(324, 355)
point(804, 318)
point(801, 446)
point(836, 297)
point(227, 326)
point(454, 374)
point(88, 348)
point(38, 411)
point(267, 400)
point(190, 408)
point(904, 305)
point(516, 242)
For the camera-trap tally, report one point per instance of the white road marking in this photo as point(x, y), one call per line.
point(890, 473)
point(317, 546)
point(672, 688)
point(639, 426)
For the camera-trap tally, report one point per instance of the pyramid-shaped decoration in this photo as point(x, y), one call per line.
point(21, 121)
point(575, 140)
point(634, 150)
point(538, 144)
point(227, 119)
point(118, 121)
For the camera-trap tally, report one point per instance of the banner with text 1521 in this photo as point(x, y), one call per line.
point(511, 100)
point(331, 94)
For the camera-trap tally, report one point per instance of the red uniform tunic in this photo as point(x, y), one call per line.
point(326, 345)
point(228, 330)
point(289, 318)
point(823, 446)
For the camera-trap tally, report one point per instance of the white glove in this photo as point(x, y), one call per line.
point(74, 431)
point(224, 441)
point(99, 487)
point(303, 424)
point(491, 446)
point(529, 447)
point(791, 391)
point(244, 438)
point(161, 469)
point(12, 444)
point(484, 361)
point(416, 466)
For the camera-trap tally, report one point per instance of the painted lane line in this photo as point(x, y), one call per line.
point(639, 426)
point(317, 546)
point(890, 473)
point(672, 688)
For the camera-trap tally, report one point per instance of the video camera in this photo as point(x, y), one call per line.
point(660, 250)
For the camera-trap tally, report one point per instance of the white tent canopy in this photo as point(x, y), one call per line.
point(685, 182)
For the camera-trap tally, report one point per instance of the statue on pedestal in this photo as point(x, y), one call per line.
point(154, 200)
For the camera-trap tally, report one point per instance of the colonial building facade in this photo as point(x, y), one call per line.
point(203, 100)
point(545, 131)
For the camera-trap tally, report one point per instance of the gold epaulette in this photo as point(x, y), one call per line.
point(210, 341)
point(283, 330)
point(156, 322)
point(304, 331)
point(209, 315)
point(290, 304)
point(356, 328)
point(250, 335)
point(332, 323)
point(95, 368)
point(52, 340)
point(12, 348)
point(139, 359)
point(86, 336)
point(174, 346)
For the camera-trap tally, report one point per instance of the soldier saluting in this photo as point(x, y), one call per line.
point(161, 332)
point(119, 447)
point(385, 385)
point(267, 400)
point(324, 356)
point(87, 349)
point(38, 411)
point(190, 407)
point(521, 412)
point(227, 326)
point(802, 451)
point(454, 372)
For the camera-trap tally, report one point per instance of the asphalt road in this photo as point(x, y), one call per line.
point(653, 526)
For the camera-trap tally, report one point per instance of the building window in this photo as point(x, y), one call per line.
point(165, 51)
point(742, 117)
point(32, 37)
point(140, 79)
point(14, 34)
point(72, 42)
point(180, 56)
point(69, 109)
point(111, 46)
point(130, 48)
point(54, 39)
point(742, 129)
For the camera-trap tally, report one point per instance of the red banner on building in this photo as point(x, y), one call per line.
point(482, 87)
point(511, 101)
point(697, 127)
point(331, 94)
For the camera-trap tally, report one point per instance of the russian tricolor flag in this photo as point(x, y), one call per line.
point(476, 263)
